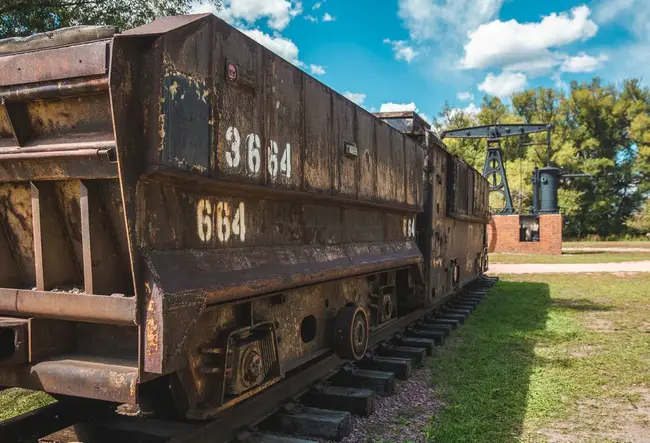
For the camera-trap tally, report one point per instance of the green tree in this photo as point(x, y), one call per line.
point(26, 17)
point(472, 150)
point(640, 221)
point(602, 130)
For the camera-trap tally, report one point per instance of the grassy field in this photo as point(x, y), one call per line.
point(573, 257)
point(549, 358)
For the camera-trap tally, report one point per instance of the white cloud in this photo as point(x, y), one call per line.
point(504, 84)
point(435, 19)
point(277, 12)
point(317, 5)
point(559, 83)
point(537, 67)
point(398, 107)
point(316, 69)
point(609, 10)
point(583, 63)
point(328, 18)
point(356, 97)
point(632, 58)
point(471, 110)
point(311, 18)
point(465, 96)
point(402, 50)
point(285, 48)
point(506, 43)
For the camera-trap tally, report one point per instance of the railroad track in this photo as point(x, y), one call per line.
point(313, 402)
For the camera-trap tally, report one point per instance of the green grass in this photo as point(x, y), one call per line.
point(607, 244)
point(573, 257)
point(16, 401)
point(552, 357)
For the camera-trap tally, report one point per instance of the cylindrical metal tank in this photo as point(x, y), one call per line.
point(548, 185)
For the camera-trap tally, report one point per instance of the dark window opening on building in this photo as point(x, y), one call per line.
point(528, 228)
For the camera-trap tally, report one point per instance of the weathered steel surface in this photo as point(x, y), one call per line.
point(68, 306)
point(58, 37)
point(108, 379)
point(55, 64)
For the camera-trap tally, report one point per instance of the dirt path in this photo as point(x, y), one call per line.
point(500, 268)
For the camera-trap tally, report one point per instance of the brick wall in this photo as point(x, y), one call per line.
point(503, 235)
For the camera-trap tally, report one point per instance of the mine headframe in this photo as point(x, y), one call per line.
point(493, 169)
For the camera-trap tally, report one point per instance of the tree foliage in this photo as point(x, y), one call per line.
point(25, 17)
point(602, 130)
point(640, 221)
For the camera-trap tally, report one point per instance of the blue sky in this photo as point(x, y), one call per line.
point(405, 54)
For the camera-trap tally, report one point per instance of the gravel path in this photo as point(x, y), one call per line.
point(401, 417)
point(501, 268)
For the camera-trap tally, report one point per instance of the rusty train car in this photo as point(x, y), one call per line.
point(183, 211)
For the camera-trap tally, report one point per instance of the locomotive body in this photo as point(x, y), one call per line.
point(183, 211)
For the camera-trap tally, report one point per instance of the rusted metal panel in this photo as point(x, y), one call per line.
point(57, 89)
point(399, 167)
point(385, 171)
point(235, 273)
point(53, 257)
point(367, 148)
point(345, 146)
point(54, 64)
point(284, 114)
point(103, 263)
point(105, 379)
point(58, 37)
point(14, 341)
point(164, 24)
point(241, 151)
point(69, 306)
point(414, 168)
point(17, 221)
point(186, 128)
point(67, 167)
point(48, 338)
point(320, 161)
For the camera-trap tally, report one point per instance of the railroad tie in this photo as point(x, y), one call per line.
point(266, 438)
point(445, 321)
point(464, 305)
point(400, 366)
point(355, 401)
point(304, 421)
point(438, 337)
point(416, 355)
point(458, 317)
point(469, 299)
point(426, 343)
point(431, 325)
point(381, 382)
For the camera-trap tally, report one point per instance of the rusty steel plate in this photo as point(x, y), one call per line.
point(54, 64)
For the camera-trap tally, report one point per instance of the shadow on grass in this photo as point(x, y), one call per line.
point(580, 304)
point(587, 252)
point(483, 374)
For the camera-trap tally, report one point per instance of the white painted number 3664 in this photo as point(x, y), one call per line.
point(278, 165)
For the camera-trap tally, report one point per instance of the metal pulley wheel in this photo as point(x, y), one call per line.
point(351, 333)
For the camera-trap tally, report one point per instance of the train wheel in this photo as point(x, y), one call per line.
point(351, 333)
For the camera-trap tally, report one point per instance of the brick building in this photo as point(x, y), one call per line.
point(525, 234)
